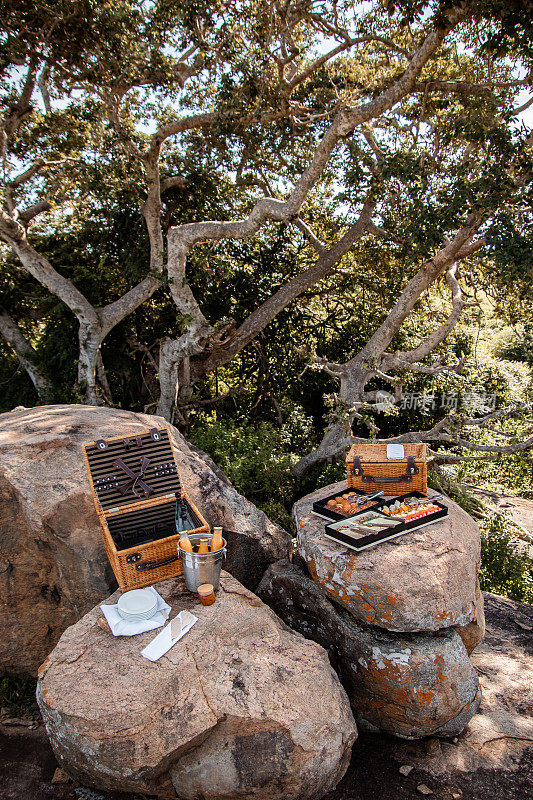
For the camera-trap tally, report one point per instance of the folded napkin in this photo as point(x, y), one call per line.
point(124, 627)
point(171, 633)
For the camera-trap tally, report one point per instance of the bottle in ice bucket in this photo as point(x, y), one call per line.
point(203, 547)
point(185, 543)
point(217, 542)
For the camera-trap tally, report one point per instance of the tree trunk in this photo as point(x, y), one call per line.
point(90, 339)
point(25, 354)
point(102, 378)
point(168, 381)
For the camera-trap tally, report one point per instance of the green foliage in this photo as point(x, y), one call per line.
point(255, 458)
point(449, 485)
point(15, 387)
point(508, 474)
point(520, 346)
point(505, 568)
point(17, 693)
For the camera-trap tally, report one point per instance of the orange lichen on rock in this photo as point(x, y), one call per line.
point(403, 586)
point(412, 685)
point(43, 666)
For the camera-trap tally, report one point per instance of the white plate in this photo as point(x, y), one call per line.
point(137, 602)
point(140, 614)
point(134, 618)
point(137, 617)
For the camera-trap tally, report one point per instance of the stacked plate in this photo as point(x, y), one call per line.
point(136, 605)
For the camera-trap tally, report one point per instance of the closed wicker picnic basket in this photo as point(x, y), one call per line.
point(369, 469)
point(140, 535)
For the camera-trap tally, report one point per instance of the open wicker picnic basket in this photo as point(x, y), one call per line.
point(141, 505)
point(369, 468)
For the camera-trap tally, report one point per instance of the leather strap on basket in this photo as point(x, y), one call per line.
point(134, 479)
point(407, 477)
point(146, 565)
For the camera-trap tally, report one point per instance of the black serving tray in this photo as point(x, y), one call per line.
point(321, 510)
point(373, 539)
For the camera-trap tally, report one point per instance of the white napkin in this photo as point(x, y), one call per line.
point(171, 633)
point(123, 627)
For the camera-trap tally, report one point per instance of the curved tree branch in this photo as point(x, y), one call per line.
point(26, 355)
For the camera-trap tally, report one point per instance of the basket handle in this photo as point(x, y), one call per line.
point(146, 565)
point(407, 477)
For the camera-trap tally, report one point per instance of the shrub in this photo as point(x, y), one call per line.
point(256, 460)
point(520, 346)
point(17, 693)
point(505, 569)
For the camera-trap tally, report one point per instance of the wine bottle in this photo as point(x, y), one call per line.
point(182, 521)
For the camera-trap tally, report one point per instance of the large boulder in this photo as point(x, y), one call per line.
point(474, 633)
point(53, 566)
point(410, 685)
point(423, 581)
point(492, 759)
point(241, 707)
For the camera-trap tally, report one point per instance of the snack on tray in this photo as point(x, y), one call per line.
point(410, 509)
point(347, 505)
point(366, 524)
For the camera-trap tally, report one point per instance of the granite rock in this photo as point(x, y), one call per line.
point(411, 685)
point(492, 759)
point(53, 566)
point(225, 714)
point(474, 633)
point(423, 581)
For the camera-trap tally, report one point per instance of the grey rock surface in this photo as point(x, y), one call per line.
point(494, 764)
point(423, 581)
point(241, 707)
point(53, 566)
point(411, 685)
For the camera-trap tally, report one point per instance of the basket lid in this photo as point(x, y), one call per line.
point(128, 469)
point(378, 452)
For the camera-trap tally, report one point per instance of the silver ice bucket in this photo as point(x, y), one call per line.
point(201, 568)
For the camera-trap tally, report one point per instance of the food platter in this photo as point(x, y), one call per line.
point(343, 504)
point(386, 520)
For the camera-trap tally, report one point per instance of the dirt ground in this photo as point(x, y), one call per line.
point(27, 766)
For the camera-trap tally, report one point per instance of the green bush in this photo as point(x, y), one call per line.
point(520, 346)
point(255, 458)
point(505, 569)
